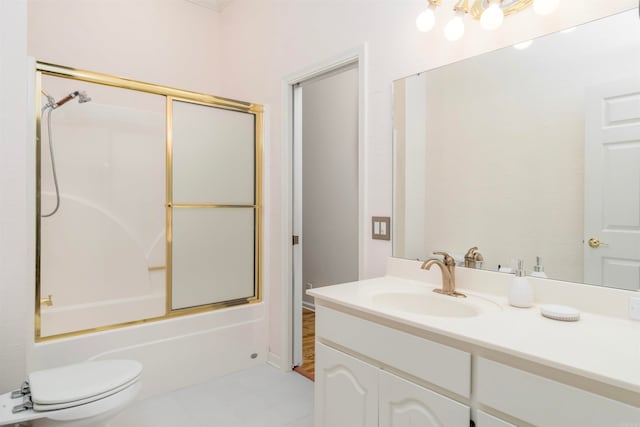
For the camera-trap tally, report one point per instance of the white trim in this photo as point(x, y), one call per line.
point(309, 305)
point(358, 55)
point(30, 171)
point(296, 208)
point(275, 361)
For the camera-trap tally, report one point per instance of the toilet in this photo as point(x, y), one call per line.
point(86, 394)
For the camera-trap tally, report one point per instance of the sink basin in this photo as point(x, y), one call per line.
point(432, 304)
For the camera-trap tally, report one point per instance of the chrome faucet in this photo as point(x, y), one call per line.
point(448, 268)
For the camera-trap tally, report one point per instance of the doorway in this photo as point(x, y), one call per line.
point(612, 185)
point(325, 201)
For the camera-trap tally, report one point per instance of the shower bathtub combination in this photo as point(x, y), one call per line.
point(148, 208)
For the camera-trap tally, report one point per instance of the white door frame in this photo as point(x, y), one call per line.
point(355, 55)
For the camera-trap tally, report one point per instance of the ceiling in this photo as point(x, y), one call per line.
point(217, 5)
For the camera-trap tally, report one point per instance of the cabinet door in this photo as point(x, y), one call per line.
point(485, 420)
point(346, 390)
point(405, 404)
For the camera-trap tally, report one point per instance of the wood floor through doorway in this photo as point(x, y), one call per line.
point(308, 344)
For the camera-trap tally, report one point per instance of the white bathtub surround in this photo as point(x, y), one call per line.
point(601, 348)
point(176, 352)
point(260, 396)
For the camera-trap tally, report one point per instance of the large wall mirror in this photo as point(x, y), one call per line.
point(527, 153)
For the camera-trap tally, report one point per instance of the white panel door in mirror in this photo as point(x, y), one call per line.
point(213, 255)
point(612, 184)
point(213, 155)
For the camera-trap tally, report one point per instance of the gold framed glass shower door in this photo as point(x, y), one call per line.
point(212, 203)
point(216, 235)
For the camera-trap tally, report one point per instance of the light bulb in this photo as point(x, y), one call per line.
point(492, 17)
point(545, 7)
point(454, 29)
point(426, 20)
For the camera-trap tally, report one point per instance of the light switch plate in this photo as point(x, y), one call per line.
point(380, 228)
point(634, 308)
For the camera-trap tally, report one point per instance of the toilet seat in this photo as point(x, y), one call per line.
point(79, 384)
point(40, 407)
point(73, 393)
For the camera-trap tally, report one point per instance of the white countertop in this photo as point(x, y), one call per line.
point(601, 348)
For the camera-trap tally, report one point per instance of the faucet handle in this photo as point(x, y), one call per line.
point(448, 259)
point(471, 253)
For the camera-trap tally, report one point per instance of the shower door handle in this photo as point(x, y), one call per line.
point(48, 301)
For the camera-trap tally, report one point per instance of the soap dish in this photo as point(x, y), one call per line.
point(560, 312)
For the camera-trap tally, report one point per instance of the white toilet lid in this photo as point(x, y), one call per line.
point(79, 383)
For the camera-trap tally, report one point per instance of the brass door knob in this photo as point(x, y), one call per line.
point(596, 243)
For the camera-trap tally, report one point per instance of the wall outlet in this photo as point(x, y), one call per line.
point(308, 285)
point(634, 308)
point(381, 227)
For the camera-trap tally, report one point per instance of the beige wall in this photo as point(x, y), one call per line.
point(167, 42)
point(16, 229)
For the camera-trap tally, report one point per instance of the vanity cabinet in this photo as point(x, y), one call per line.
point(369, 374)
point(351, 392)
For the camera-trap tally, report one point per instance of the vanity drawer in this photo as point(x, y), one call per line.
point(435, 363)
point(544, 402)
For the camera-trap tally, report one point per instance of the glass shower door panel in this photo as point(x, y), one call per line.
point(213, 155)
point(213, 256)
point(103, 252)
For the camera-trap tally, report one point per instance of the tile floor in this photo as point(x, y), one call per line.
point(258, 397)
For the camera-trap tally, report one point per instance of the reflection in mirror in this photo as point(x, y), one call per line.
point(527, 153)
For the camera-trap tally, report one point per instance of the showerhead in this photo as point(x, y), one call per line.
point(83, 97)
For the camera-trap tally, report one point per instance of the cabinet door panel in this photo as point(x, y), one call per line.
point(405, 404)
point(346, 390)
point(485, 420)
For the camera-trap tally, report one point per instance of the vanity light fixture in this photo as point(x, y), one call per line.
point(491, 13)
point(523, 45)
point(545, 7)
point(493, 16)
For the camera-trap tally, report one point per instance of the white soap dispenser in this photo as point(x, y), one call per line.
point(520, 291)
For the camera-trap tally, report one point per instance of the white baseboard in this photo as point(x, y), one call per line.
point(309, 305)
point(274, 360)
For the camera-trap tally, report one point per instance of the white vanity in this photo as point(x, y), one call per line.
point(390, 352)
